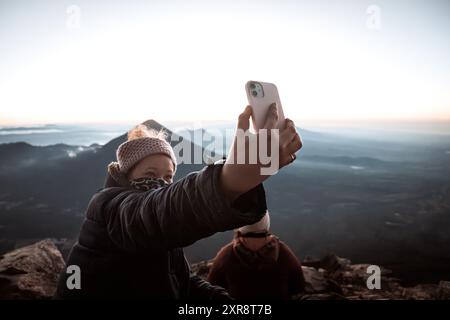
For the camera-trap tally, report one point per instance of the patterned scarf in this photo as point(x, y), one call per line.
point(146, 184)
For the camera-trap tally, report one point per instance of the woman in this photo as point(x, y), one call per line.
point(256, 264)
point(130, 243)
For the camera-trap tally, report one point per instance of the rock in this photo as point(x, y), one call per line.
point(357, 274)
point(444, 290)
point(320, 296)
point(329, 262)
point(421, 292)
point(30, 272)
point(316, 282)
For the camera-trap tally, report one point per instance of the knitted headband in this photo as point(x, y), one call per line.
point(131, 152)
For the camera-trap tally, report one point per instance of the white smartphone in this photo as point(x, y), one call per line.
point(260, 96)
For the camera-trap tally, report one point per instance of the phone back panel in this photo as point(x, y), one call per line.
point(260, 105)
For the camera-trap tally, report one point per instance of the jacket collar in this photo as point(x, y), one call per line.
point(110, 182)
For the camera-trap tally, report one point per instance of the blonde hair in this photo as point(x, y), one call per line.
point(142, 131)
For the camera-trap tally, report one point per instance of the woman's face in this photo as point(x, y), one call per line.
point(156, 166)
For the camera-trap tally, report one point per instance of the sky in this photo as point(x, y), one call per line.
point(117, 61)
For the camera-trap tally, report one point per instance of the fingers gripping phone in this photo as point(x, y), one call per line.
point(260, 96)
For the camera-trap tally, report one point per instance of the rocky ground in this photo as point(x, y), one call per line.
point(31, 272)
point(337, 278)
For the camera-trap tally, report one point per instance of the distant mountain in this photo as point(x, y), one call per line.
point(21, 154)
point(82, 169)
point(56, 183)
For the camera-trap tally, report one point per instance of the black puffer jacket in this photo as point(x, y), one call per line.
point(130, 242)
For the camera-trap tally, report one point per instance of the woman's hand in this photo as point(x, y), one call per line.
point(239, 173)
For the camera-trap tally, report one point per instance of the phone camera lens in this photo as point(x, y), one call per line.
point(252, 86)
point(254, 93)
